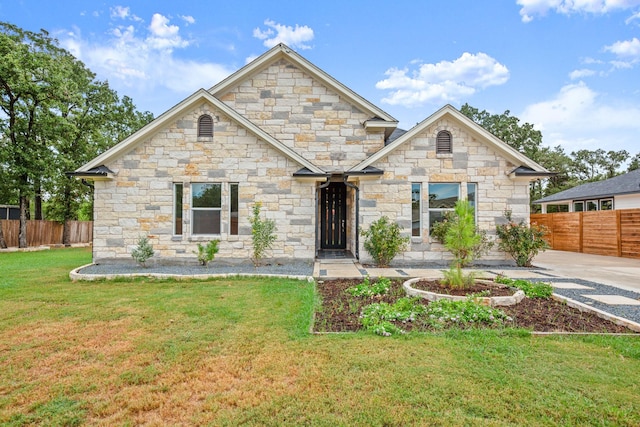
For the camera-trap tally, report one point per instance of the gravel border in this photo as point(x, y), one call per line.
point(300, 270)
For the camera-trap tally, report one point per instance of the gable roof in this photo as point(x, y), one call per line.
point(166, 118)
point(627, 183)
point(282, 51)
point(533, 168)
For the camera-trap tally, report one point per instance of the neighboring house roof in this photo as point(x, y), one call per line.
point(627, 183)
point(533, 169)
point(171, 115)
point(379, 118)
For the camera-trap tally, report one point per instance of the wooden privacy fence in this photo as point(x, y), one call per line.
point(47, 232)
point(613, 233)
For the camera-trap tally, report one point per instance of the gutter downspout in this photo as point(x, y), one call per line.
point(320, 187)
point(355, 187)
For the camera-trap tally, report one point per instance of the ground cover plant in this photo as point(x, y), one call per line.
point(240, 352)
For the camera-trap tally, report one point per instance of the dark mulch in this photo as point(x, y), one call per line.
point(339, 311)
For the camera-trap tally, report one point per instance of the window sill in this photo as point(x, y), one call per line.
point(204, 237)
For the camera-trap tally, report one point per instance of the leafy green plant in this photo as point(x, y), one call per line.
point(443, 313)
point(531, 289)
point(465, 243)
point(383, 241)
point(368, 289)
point(440, 229)
point(262, 234)
point(521, 241)
point(206, 253)
point(143, 251)
point(378, 317)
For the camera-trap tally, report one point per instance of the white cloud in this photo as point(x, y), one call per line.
point(532, 8)
point(122, 12)
point(578, 118)
point(296, 37)
point(578, 74)
point(625, 49)
point(632, 18)
point(188, 19)
point(139, 61)
point(442, 82)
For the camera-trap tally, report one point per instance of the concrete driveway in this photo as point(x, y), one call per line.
point(623, 273)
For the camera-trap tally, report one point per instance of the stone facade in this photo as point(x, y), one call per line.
point(298, 120)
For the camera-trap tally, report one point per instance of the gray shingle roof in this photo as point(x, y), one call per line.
point(622, 184)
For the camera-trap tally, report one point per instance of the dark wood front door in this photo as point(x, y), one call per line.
point(333, 209)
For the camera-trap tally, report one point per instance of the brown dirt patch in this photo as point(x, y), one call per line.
point(339, 311)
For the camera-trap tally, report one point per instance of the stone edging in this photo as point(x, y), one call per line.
point(75, 275)
point(432, 296)
point(602, 314)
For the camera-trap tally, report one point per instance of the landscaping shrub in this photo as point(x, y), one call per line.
point(206, 253)
point(262, 234)
point(521, 241)
point(368, 289)
point(443, 313)
point(530, 289)
point(462, 239)
point(383, 241)
point(377, 317)
point(143, 251)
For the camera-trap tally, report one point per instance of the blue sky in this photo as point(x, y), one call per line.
point(570, 67)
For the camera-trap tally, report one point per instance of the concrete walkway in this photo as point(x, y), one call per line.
point(607, 284)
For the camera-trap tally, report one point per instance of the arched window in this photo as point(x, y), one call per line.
point(443, 142)
point(205, 125)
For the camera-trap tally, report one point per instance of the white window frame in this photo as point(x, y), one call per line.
point(605, 200)
point(581, 202)
point(205, 209)
point(443, 210)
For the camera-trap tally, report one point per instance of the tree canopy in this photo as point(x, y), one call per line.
point(55, 117)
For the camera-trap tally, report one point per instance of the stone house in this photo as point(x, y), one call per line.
point(322, 161)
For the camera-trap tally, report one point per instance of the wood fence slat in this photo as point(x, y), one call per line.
point(613, 233)
point(42, 232)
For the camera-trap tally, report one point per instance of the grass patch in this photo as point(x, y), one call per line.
point(238, 351)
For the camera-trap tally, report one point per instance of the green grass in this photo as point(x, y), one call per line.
point(239, 352)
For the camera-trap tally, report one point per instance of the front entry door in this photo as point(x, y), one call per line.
point(333, 209)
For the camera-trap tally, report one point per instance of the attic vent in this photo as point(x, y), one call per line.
point(205, 125)
point(443, 142)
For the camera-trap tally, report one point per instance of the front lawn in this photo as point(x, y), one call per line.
point(239, 351)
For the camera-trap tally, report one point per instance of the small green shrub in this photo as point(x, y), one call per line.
point(368, 289)
point(263, 234)
point(444, 313)
point(206, 253)
point(143, 251)
point(377, 317)
point(521, 241)
point(383, 241)
point(531, 289)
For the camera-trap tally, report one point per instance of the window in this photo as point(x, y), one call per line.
point(205, 125)
point(233, 209)
point(206, 207)
point(592, 205)
point(443, 142)
point(471, 197)
point(177, 209)
point(442, 199)
point(578, 206)
point(416, 211)
point(606, 204)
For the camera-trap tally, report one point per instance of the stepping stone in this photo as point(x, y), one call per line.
point(569, 285)
point(523, 274)
point(614, 299)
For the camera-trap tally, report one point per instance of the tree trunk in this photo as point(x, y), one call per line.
point(38, 202)
point(67, 215)
point(22, 235)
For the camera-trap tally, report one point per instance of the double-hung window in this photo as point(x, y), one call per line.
point(416, 209)
point(206, 208)
point(442, 199)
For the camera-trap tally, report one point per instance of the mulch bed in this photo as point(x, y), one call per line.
point(339, 311)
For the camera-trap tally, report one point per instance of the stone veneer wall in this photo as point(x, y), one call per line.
point(305, 115)
point(140, 200)
point(417, 161)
